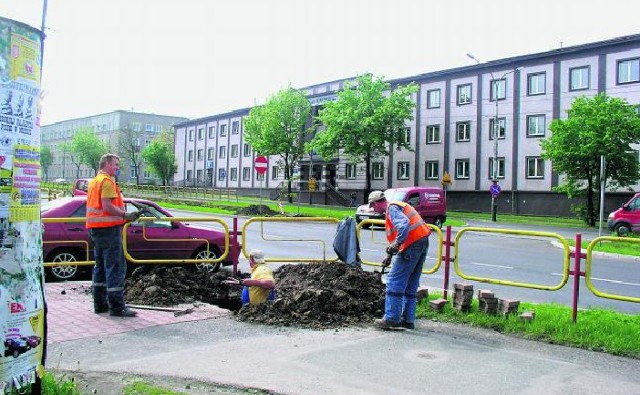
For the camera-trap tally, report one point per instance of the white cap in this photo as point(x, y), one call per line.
point(375, 196)
point(257, 255)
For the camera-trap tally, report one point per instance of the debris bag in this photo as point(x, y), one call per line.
point(345, 243)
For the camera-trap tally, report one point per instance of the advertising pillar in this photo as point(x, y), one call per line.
point(22, 316)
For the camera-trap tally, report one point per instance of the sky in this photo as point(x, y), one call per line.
point(196, 58)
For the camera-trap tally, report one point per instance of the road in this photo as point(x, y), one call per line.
point(522, 259)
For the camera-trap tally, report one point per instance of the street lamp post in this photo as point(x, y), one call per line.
point(495, 189)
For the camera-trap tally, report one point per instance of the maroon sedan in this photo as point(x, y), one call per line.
point(67, 242)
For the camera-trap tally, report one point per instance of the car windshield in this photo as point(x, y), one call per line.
point(394, 195)
point(48, 205)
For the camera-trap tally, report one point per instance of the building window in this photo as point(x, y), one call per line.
point(260, 176)
point(536, 84)
point(407, 135)
point(377, 172)
point(536, 125)
point(200, 155)
point(199, 175)
point(500, 170)
point(190, 155)
point(628, 71)
point(222, 174)
point(233, 174)
point(462, 169)
point(463, 131)
point(234, 150)
point(350, 171)
point(147, 127)
point(275, 172)
point(431, 170)
point(222, 152)
point(191, 135)
point(433, 98)
point(535, 167)
point(136, 126)
point(246, 150)
point(212, 132)
point(189, 175)
point(433, 134)
point(464, 94)
point(210, 153)
point(502, 125)
point(147, 174)
point(246, 173)
point(200, 133)
point(579, 78)
point(235, 127)
point(498, 90)
point(132, 172)
point(403, 170)
point(223, 130)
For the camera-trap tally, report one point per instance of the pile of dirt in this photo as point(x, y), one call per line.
point(257, 209)
point(315, 295)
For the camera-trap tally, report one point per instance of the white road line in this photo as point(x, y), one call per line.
point(490, 265)
point(606, 280)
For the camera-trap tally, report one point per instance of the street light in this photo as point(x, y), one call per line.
point(495, 189)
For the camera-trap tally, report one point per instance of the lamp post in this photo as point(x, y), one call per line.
point(495, 188)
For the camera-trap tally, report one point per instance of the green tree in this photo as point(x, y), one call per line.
point(67, 152)
point(365, 121)
point(160, 158)
point(88, 148)
point(595, 126)
point(46, 159)
point(279, 127)
point(129, 149)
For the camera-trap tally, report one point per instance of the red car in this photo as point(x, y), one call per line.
point(161, 239)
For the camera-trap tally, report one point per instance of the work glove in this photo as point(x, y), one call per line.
point(232, 281)
point(134, 215)
point(386, 261)
point(393, 248)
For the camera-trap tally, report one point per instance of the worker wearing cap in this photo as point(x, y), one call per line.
point(408, 237)
point(260, 287)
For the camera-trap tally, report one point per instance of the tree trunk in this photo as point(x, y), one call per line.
point(591, 221)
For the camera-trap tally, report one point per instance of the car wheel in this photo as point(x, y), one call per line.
point(16, 353)
point(622, 230)
point(438, 222)
point(64, 272)
point(208, 267)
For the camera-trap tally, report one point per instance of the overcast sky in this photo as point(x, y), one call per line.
point(196, 58)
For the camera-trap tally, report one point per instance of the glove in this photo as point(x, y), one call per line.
point(386, 261)
point(232, 281)
point(132, 216)
point(393, 248)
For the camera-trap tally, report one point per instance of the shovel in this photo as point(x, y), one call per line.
point(385, 263)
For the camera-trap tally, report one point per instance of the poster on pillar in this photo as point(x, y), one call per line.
point(21, 270)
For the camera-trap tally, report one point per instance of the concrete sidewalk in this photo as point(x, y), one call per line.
point(211, 346)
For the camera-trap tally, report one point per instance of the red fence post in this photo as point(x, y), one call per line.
point(447, 258)
point(576, 277)
point(234, 253)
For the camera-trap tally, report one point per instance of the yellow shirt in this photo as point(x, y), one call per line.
point(258, 295)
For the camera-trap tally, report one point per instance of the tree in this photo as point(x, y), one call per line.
point(596, 126)
point(279, 128)
point(365, 122)
point(88, 148)
point(160, 158)
point(129, 149)
point(67, 152)
point(46, 159)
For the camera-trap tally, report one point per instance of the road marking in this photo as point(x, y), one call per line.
point(606, 280)
point(490, 265)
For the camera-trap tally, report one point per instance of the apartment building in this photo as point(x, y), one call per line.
point(141, 128)
point(452, 132)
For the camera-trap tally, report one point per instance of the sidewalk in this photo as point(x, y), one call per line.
point(210, 346)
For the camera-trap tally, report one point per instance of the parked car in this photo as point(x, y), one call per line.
point(15, 346)
point(429, 202)
point(80, 187)
point(626, 219)
point(67, 242)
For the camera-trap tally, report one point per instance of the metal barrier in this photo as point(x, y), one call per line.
point(587, 274)
point(262, 220)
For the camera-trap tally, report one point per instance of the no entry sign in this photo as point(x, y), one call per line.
point(260, 164)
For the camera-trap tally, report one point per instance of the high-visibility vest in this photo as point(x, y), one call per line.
point(97, 217)
point(417, 227)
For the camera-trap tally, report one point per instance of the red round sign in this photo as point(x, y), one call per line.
point(261, 164)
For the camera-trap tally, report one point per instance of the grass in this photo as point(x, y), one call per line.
point(142, 388)
point(52, 385)
point(596, 330)
point(630, 246)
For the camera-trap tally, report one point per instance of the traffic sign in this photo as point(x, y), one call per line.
point(446, 179)
point(495, 190)
point(312, 184)
point(261, 164)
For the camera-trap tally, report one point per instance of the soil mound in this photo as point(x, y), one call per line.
point(314, 295)
point(257, 209)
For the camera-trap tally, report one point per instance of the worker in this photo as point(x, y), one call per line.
point(260, 287)
point(408, 237)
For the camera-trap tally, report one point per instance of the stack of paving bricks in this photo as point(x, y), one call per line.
point(462, 297)
point(487, 302)
point(508, 306)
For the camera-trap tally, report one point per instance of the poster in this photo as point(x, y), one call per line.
point(21, 271)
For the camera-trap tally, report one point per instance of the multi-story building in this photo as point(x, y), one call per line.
point(452, 132)
point(124, 132)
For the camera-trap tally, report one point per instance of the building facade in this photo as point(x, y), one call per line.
point(125, 132)
point(457, 115)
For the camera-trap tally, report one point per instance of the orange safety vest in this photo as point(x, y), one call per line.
point(97, 217)
point(417, 227)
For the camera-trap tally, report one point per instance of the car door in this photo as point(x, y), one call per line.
point(77, 231)
point(634, 214)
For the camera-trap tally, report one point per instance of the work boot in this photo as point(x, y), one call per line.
point(407, 325)
point(126, 312)
point(100, 308)
point(386, 325)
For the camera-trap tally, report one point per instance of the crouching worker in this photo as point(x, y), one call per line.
point(260, 287)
